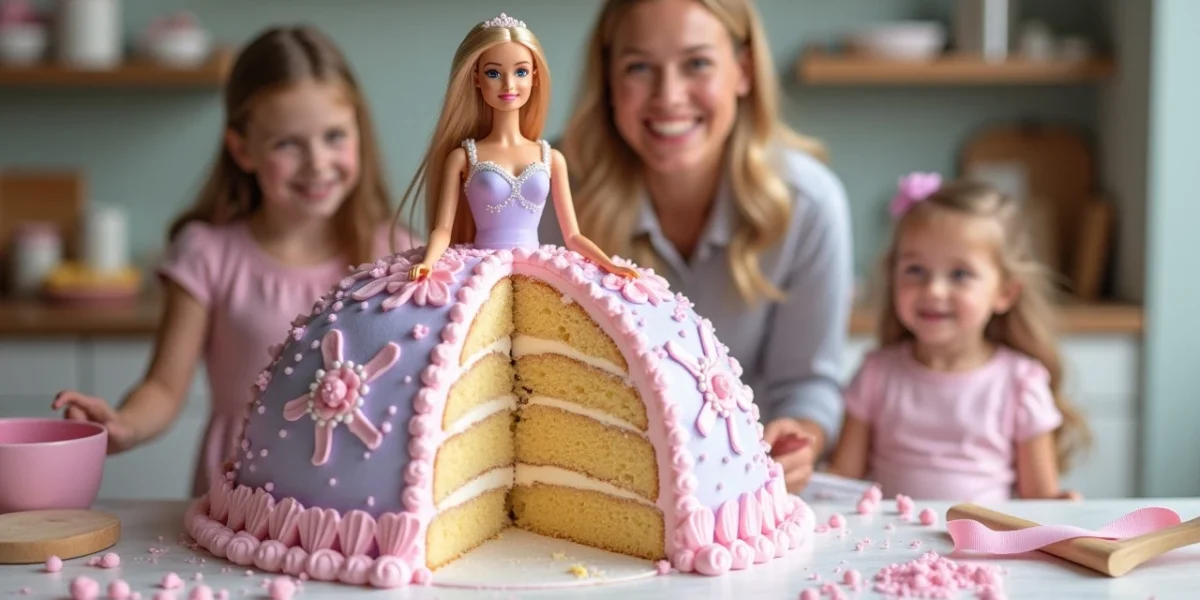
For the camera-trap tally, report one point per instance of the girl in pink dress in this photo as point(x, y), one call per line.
point(961, 401)
point(295, 196)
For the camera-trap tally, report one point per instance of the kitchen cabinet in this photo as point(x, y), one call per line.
point(1103, 373)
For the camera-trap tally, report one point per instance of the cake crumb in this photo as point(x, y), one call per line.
point(578, 570)
point(559, 555)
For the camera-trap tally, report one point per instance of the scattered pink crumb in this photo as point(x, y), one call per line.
point(282, 588)
point(93, 561)
point(904, 505)
point(110, 560)
point(822, 528)
point(837, 570)
point(836, 520)
point(198, 577)
point(915, 544)
point(853, 579)
point(814, 577)
point(84, 588)
point(874, 493)
point(222, 595)
point(201, 592)
point(928, 517)
point(25, 591)
point(889, 527)
point(866, 506)
point(886, 544)
point(118, 589)
point(931, 576)
point(663, 567)
point(164, 595)
point(171, 581)
point(53, 564)
point(811, 594)
point(249, 573)
point(858, 547)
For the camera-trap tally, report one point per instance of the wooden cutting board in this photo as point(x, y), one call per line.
point(34, 536)
point(1059, 174)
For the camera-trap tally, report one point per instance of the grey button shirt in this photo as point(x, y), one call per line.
point(790, 351)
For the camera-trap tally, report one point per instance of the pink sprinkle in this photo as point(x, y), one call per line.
point(904, 505)
point(392, 409)
point(249, 573)
point(118, 589)
point(836, 520)
point(198, 577)
point(811, 594)
point(860, 546)
point(282, 588)
point(332, 318)
point(915, 544)
point(287, 370)
point(362, 306)
point(282, 433)
point(201, 592)
point(268, 486)
point(370, 500)
point(408, 379)
point(263, 453)
point(84, 588)
point(822, 528)
point(928, 517)
point(386, 427)
point(865, 506)
point(366, 455)
point(663, 567)
point(110, 560)
point(932, 576)
point(332, 481)
point(171, 581)
point(53, 564)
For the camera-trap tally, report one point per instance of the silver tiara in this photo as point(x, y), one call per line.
point(503, 21)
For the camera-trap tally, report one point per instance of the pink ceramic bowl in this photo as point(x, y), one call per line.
point(50, 463)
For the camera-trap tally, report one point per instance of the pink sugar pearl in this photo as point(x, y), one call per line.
point(852, 578)
point(904, 504)
point(281, 588)
point(110, 560)
point(873, 493)
point(811, 594)
point(84, 588)
point(866, 506)
point(836, 520)
point(928, 517)
point(171, 581)
point(201, 592)
point(118, 590)
point(53, 564)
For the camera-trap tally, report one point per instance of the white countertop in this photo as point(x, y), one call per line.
point(1033, 576)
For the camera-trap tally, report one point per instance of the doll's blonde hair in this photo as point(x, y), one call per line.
point(465, 114)
point(608, 191)
point(275, 60)
point(1027, 327)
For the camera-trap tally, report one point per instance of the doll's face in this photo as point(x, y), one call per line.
point(675, 80)
point(505, 75)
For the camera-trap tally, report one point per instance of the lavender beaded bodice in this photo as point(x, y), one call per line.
point(506, 208)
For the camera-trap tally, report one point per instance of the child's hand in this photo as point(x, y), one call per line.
point(90, 408)
point(795, 448)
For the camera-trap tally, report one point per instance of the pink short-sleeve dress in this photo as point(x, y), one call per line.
point(251, 300)
point(949, 435)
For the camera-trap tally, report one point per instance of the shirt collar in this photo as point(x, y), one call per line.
point(718, 231)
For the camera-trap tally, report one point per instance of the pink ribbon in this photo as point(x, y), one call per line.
point(973, 535)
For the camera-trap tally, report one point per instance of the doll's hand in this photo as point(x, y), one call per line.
point(418, 272)
point(1070, 495)
point(95, 410)
point(625, 272)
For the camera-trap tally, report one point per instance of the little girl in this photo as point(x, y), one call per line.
point(295, 196)
point(961, 400)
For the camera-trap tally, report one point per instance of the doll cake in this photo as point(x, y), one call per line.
point(404, 423)
point(437, 397)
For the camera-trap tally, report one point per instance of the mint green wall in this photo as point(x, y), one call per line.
point(1171, 461)
point(148, 149)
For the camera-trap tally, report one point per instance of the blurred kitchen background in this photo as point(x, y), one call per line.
point(110, 114)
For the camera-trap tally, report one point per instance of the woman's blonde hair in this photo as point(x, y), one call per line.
point(465, 114)
point(274, 61)
point(1027, 327)
point(608, 192)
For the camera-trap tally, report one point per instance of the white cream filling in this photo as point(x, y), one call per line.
point(503, 346)
point(528, 475)
point(524, 345)
point(501, 477)
point(531, 474)
point(585, 411)
point(481, 412)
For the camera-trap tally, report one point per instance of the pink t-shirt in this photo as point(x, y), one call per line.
point(950, 435)
point(251, 300)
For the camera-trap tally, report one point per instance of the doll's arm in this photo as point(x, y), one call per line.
point(439, 238)
point(560, 189)
point(1037, 469)
point(850, 456)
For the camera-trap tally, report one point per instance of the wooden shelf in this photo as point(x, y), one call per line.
point(817, 67)
point(137, 72)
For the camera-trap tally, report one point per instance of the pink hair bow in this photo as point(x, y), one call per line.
point(914, 188)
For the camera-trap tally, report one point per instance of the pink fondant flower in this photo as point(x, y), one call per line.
point(433, 289)
point(336, 395)
point(649, 287)
point(912, 189)
point(722, 390)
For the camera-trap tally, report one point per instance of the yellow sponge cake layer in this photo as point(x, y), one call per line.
point(547, 435)
point(489, 378)
point(590, 518)
point(557, 376)
point(465, 456)
point(463, 528)
point(493, 323)
point(541, 313)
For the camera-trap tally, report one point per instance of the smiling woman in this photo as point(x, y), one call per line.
point(688, 168)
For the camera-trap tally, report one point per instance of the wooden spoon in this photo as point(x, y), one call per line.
point(1110, 557)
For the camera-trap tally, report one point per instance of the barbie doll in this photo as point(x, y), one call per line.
point(486, 152)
